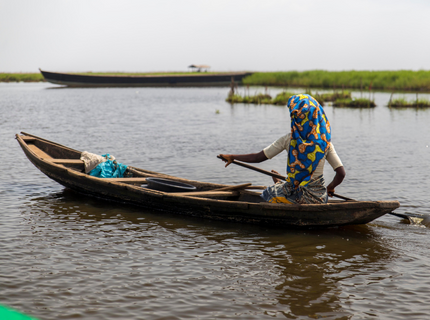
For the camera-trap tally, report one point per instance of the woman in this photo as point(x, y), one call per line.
point(308, 146)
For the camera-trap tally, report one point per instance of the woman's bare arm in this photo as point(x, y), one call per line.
point(250, 157)
point(337, 180)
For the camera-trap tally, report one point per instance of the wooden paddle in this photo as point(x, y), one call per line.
point(255, 169)
point(400, 215)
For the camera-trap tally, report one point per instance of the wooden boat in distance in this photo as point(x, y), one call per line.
point(240, 203)
point(173, 80)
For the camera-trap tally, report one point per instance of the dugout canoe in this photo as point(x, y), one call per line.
point(240, 203)
point(179, 80)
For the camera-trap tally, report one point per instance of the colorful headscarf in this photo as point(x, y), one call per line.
point(310, 138)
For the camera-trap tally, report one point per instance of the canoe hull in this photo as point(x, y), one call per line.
point(327, 215)
point(200, 80)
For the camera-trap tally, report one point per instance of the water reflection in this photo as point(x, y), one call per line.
point(317, 263)
point(270, 271)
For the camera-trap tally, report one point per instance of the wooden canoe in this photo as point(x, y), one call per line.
point(173, 80)
point(209, 200)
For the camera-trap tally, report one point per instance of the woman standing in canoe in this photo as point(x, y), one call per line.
point(308, 146)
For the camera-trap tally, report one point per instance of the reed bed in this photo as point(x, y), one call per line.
point(332, 96)
point(281, 99)
point(259, 98)
point(21, 77)
point(354, 103)
point(402, 80)
point(403, 103)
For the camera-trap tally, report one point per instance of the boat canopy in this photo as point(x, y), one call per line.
point(199, 67)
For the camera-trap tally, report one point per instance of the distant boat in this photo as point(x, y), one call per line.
point(198, 79)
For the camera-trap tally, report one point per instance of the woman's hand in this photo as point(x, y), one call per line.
point(251, 157)
point(226, 158)
point(330, 190)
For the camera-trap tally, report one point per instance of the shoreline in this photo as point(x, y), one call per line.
point(400, 80)
point(21, 77)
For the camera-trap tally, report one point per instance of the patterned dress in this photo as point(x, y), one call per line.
point(310, 140)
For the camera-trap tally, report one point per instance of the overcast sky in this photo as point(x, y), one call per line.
point(228, 35)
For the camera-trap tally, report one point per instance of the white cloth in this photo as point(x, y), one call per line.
point(92, 160)
point(283, 143)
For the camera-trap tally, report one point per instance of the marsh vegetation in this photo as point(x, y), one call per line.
point(21, 77)
point(337, 98)
point(402, 102)
point(354, 103)
point(402, 80)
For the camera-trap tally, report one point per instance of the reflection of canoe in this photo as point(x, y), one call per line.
point(179, 80)
point(215, 201)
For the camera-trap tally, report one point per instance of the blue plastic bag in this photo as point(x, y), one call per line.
point(108, 169)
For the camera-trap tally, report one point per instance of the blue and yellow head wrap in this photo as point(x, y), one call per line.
point(310, 138)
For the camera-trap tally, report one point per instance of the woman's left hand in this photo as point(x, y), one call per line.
point(226, 158)
point(330, 190)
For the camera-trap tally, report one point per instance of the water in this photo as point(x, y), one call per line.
point(67, 256)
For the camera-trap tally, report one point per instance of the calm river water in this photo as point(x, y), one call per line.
point(67, 256)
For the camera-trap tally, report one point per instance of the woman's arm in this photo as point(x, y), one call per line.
point(250, 157)
point(275, 148)
point(337, 180)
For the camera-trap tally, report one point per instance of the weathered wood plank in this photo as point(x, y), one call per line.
point(67, 161)
point(28, 138)
point(239, 186)
point(38, 152)
point(136, 180)
point(256, 187)
point(207, 194)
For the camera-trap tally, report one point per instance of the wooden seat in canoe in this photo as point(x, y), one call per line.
point(207, 194)
point(74, 163)
point(132, 180)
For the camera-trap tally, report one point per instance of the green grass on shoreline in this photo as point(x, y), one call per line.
point(21, 77)
point(402, 80)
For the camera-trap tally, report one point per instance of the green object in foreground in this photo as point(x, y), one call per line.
point(10, 314)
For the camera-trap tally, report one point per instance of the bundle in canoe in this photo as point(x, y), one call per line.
point(240, 203)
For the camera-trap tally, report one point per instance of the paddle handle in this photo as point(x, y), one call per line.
point(342, 197)
point(255, 169)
